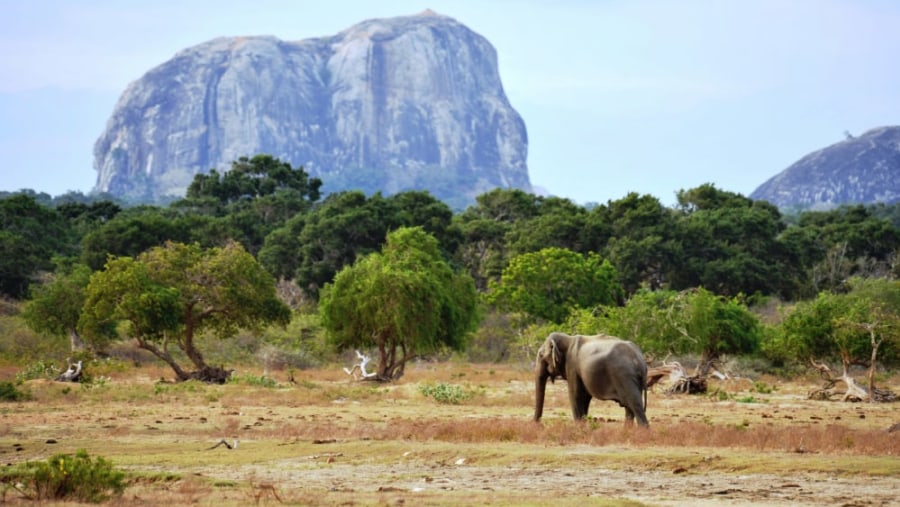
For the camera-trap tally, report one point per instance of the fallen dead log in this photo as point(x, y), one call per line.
point(852, 391)
point(226, 444)
point(73, 374)
point(358, 371)
point(677, 379)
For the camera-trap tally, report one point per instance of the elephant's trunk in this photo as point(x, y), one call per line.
point(540, 385)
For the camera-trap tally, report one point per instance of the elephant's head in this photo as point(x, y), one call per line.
point(550, 363)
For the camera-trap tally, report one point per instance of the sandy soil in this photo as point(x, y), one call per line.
point(282, 457)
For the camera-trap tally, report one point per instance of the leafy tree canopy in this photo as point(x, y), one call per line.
point(168, 295)
point(404, 301)
point(549, 283)
point(730, 244)
point(669, 322)
point(250, 178)
point(55, 306)
point(30, 236)
point(642, 241)
point(842, 327)
point(348, 225)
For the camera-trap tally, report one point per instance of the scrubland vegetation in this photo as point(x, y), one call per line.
point(228, 317)
point(324, 439)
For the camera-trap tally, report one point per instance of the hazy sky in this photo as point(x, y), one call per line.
point(651, 96)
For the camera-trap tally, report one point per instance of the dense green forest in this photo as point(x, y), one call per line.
point(716, 274)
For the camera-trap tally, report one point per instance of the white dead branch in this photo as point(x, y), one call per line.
point(73, 374)
point(677, 379)
point(853, 391)
point(358, 372)
point(226, 444)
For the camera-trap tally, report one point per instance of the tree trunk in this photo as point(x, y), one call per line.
point(75, 342)
point(875, 344)
point(188, 344)
point(164, 355)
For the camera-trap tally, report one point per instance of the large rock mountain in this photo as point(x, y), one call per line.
point(389, 104)
point(858, 170)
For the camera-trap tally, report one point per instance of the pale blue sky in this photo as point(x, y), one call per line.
point(651, 96)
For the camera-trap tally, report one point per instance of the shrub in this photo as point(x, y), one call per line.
point(445, 393)
point(19, 344)
point(71, 477)
point(8, 392)
point(38, 370)
point(763, 388)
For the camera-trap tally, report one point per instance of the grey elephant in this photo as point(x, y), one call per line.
point(602, 367)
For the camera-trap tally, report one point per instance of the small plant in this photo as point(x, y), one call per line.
point(188, 386)
point(747, 399)
point(9, 392)
point(38, 370)
point(70, 477)
point(253, 380)
point(720, 395)
point(91, 382)
point(445, 393)
point(763, 388)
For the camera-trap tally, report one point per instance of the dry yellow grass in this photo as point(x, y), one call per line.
point(328, 441)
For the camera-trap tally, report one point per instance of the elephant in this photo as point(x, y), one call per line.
point(601, 366)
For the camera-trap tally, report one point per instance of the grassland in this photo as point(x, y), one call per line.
point(326, 440)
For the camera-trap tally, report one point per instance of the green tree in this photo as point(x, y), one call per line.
point(84, 217)
point(55, 306)
point(646, 318)
point(852, 328)
point(688, 322)
point(256, 196)
point(484, 228)
point(641, 241)
point(420, 208)
point(250, 178)
point(314, 246)
point(550, 283)
point(713, 325)
point(129, 233)
point(730, 245)
point(344, 227)
point(169, 295)
point(558, 223)
point(850, 241)
point(405, 301)
point(31, 234)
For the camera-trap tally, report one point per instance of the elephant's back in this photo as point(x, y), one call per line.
point(604, 345)
point(613, 355)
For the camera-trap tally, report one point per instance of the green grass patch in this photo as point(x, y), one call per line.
point(77, 477)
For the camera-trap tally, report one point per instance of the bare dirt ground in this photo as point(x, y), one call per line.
point(325, 440)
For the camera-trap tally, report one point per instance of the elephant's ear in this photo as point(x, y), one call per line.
point(554, 364)
point(554, 354)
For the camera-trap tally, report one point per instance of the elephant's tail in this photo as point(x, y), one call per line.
point(644, 392)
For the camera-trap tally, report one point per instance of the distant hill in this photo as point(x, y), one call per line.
point(857, 170)
point(405, 103)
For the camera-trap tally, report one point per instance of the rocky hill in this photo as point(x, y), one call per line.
point(858, 170)
point(392, 104)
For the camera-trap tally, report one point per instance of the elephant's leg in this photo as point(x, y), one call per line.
point(629, 417)
point(642, 417)
point(580, 399)
point(636, 411)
